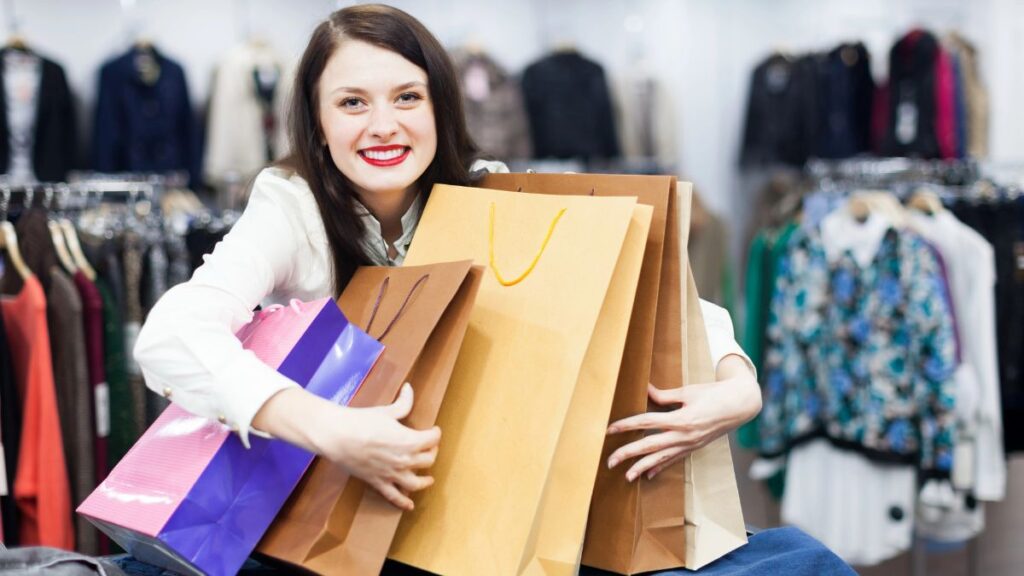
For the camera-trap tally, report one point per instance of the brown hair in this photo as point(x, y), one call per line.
point(397, 31)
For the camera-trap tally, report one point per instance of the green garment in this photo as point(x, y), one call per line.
point(124, 431)
point(767, 248)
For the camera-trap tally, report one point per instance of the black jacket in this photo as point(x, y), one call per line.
point(782, 115)
point(570, 108)
point(55, 151)
point(912, 109)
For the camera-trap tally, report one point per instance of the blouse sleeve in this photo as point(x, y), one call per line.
point(721, 339)
point(187, 348)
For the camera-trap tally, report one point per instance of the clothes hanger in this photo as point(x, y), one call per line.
point(57, 235)
point(858, 207)
point(71, 236)
point(75, 247)
point(926, 201)
point(9, 239)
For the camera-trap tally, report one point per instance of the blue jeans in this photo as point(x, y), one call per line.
point(770, 552)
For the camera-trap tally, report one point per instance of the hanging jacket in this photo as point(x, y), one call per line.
point(495, 115)
point(862, 355)
point(781, 112)
point(143, 127)
point(55, 150)
point(570, 108)
point(246, 127)
point(846, 90)
point(911, 130)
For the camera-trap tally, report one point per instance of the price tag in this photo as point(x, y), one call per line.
point(102, 396)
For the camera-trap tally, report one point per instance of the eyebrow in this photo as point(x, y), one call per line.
point(360, 91)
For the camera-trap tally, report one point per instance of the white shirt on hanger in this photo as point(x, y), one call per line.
point(970, 265)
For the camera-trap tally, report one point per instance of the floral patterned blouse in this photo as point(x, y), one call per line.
point(863, 356)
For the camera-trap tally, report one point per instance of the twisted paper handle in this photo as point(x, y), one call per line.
point(536, 259)
point(380, 297)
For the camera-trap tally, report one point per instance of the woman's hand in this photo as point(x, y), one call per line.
point(369, 443)
point(706, 411)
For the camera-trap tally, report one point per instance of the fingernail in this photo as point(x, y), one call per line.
point(613, 430)
point(630, 477)
point(612, 462)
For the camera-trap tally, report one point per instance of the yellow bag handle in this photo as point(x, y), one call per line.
point(521, 277)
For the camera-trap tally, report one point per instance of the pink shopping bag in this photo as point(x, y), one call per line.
point(189, 496)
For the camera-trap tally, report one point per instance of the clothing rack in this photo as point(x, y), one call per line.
point(137, 192)
point(886, 171)
point(950, 180)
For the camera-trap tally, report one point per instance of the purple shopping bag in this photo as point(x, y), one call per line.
point(189, 496)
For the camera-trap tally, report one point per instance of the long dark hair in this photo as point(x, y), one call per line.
point(397, 31)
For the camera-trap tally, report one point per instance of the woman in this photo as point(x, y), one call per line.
point(376, 120)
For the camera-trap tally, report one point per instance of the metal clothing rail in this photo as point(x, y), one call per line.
point(83, 193)
point(881, 171)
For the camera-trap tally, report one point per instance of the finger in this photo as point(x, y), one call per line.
point(645, 421)
point(645, 445)
point(652, 460)
point(392, 494)
point(661, 467)
point(402, 405)
point(409, 482)
point(421, 440)
point(663, 397)
point(424, 459)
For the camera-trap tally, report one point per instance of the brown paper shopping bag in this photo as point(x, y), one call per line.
point(644, 526)
point(334, 524)
point(531, 345)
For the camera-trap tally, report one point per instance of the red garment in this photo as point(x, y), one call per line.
point(879, 116)
point(92, 321)
point(945, 105)
point(41, 486)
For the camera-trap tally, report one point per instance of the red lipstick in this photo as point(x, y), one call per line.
point(383, 156)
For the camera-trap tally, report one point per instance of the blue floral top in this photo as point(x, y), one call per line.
point(861, 356)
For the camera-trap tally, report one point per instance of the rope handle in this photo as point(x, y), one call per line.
point(536, 259)
point(380, 298)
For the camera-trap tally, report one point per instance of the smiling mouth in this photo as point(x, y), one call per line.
point(385, 156)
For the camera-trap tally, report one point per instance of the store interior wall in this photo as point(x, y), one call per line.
point(701, 50)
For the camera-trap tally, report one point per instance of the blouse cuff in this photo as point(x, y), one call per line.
point(250, 384)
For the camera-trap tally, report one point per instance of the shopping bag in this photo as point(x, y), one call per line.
point(334, 524)
point(189, 496)
point(642, 526)
point(714, 518)
point(550, 264)
point(580, 453)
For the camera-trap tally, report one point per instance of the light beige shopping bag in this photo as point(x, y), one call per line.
point(535, 340)
point(714, 520)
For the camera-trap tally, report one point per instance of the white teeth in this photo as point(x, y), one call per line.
point(389, 155)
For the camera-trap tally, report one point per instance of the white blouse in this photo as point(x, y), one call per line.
point(275, 252)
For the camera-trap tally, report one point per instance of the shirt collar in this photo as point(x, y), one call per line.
point(373, 238)
point(841, 232)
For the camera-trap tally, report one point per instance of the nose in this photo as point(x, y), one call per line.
point(383, 123)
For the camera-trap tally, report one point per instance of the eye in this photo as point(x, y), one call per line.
point(409, 98)
point(350, 103)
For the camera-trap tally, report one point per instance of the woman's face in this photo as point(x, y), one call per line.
point(377, 118)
